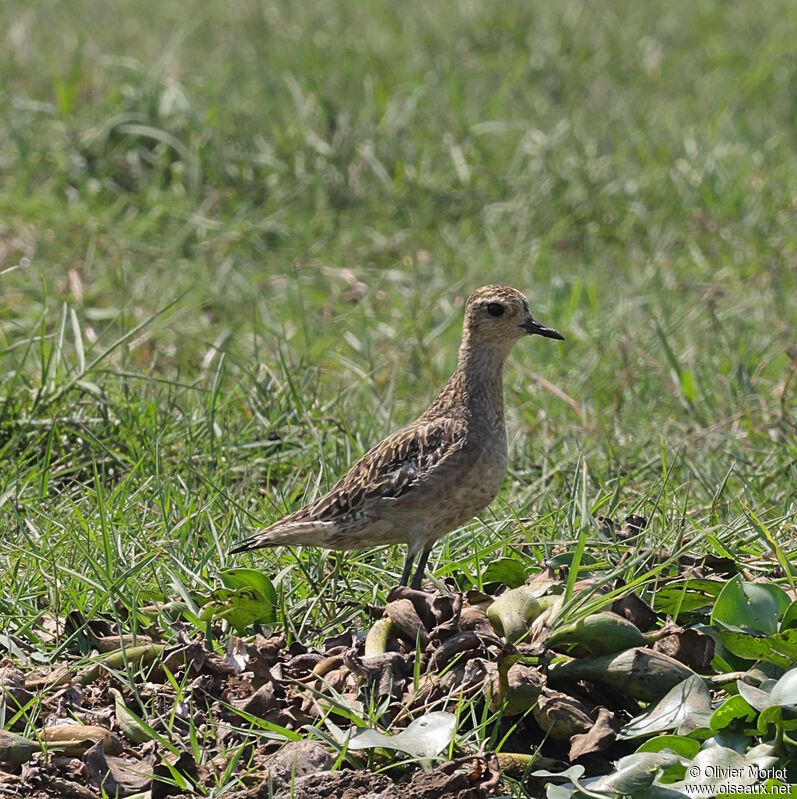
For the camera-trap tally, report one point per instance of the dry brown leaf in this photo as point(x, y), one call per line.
point(693, 648)
point(407, 621)
point(473, 618)
point(262, 703)
point(328, 784)
point(38, 679)
point(162, 783)
point(75, 739)
point(635, 610)
point(117, 776)
point(433, 608)
point(110, 643)
point(560, 715)
point(464, 778)
point(599, 737)
point(12, 685)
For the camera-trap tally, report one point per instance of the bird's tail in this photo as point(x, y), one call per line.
point(256, 541)
point(291, 534)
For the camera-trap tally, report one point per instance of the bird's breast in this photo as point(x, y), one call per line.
point(484, 469)
point(472, 481)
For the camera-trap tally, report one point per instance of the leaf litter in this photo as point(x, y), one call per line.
point(389, 711)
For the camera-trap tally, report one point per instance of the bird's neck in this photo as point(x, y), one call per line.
point(477, 385)
point(482, 377)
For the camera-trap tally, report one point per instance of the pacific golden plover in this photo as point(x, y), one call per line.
point(429, 477)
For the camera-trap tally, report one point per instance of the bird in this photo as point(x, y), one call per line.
point(432, 475)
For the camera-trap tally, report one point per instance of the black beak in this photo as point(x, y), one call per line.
point(532, 326)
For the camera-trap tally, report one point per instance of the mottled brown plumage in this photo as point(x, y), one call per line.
point(429, 477)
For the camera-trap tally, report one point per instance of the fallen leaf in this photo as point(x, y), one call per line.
point(116, 776)
point(128, 722)
point(424, 738)
point(171, 774)
point(560, 715)
point(635, 610)
point(16, 750)
point(407, 622)
point(600, 736)
point(684, 708)
point(693, 648)
point(48, 677)
point(295, 759)
point(75, 739)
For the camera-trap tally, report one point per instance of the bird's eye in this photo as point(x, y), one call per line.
point(495, 309)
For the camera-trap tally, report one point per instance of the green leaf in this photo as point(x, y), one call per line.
point(686, 596)
point(771, 715)
point(558, 791)
point(754, 697)
point(784, 691)
point(568, 790)
point(780, 649)
point(688, 386)
point(724, 661)
point(552, 791)
point(680, 744)
point(789, 617)
point(134, 728)
point(514, 610)
point(764, 755)
point(750, 606)
point(240, 606)
point(566, 559)
point(734, 707)
point(572, 773)
point(635, 773)
point(730, 738)
point(508, 571)
point(250, 578)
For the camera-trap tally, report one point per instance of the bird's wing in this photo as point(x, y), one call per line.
point(389, 470)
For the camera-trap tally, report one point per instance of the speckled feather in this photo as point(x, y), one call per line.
point(437, 472)
point(390, 469)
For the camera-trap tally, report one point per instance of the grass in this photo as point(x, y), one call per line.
point(235, 240)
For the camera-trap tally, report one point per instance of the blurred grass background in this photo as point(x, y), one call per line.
point(310, 191)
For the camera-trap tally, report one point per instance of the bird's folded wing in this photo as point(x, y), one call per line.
point(391, 468)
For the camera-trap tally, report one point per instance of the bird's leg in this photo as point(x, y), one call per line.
point(419, 572)
point(405, 574)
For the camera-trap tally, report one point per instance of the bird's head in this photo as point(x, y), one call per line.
point(497, 316)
